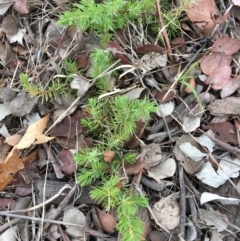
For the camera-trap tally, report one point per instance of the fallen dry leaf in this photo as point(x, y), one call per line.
point(136, 168)
point(68, 165)
point(9, 25)
point(219, 77)
point(13, 140)
point(225, 131)
point(108, 156)
point(167, 212)
point(231, 87)
point(34, 134)
point(5, 5)
point(200, 13)
point(107, 221)
point(226, 45)
point(236, 2)
point(21, 6)
point(211, 62)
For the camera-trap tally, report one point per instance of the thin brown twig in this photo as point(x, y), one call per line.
point(164, 32)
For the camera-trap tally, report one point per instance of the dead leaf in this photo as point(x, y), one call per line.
point(165, 109)
point(164, 169)
point(219, 77)
point(5, 5)
point(107, 221)
point(226, 45)
point(200, 13)
point(192, 83)
point(208, 197)
point(69, 126)
point(211, 62)
point(160, 94)
point(188, 164)
point(5, 110)
point(9, 25)
point(216, 219)
point(18, 37)
point(231, 87)
point(68, 165)
point(22, 104)
point(192, 152)
point(167, 212)
point(34, 134)
point(6, 53)
point(13, 140)
point(21, 6)
point(136, 168)
point(108, 156)
point(152, 154)
point(7, 204)
point(236, 2)
point(81, 84)
point(224, 131)
point(7, 94)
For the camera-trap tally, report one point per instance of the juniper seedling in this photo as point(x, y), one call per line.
point(112, 121)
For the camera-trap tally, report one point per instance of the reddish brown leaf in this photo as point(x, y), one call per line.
point(7, 204)
point(226, 45)
point(21, 6)
point(118, 52)
point(192, 82)
point(224, 131)
point(68, 165)
point(211, 62)
point(81, 60)
point(107, 221)
point(159, 95)
point(108, 156)
point(136, 168)
point(200, 13)
point(220, 77)
point(150, 48)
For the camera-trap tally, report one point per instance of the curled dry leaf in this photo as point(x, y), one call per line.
point(208, 197)
point(219, 77)
point(211, 62)
point(136, 168)
point(107, 220)
point(167, 212)
point(226, 45)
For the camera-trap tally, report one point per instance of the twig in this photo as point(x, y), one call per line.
point(56, 167)
point(164, 32)
point(42, 204)
point(61, 206)
point(183, 200)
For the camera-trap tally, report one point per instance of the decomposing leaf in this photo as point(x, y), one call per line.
point(165, 109)
point(191, 122)
point(204, 140)
point(22, 104)
point(7, 204)
point(232, 85)
point(225, 131)
point(219, 77)
point(208, 197)
point(68, 165)
point(6, 53)
point(152, 154)
point(5, 110)
point(73, 215)
point(216, 219)
point(208, 176)
point(80, 84)
point(21, 6)
point(191, 151)
point(167, 212)
point(69, 126)
point(18, 37)
point(5, 5)
point(189, 165)
point(226, 45)
point(7, 94)
point(152, 61)
point(136, 168)
point(164, 169)
point(211, 62)
point(9, 25)
point(200, 13)
point(107, 220)
point(13, 140)
point(161, 96)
